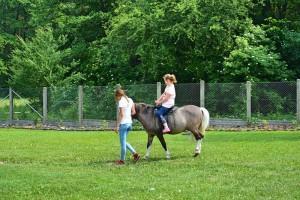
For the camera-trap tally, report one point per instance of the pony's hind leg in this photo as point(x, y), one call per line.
point(198, 137)
point(149, 144)
point(164, 145)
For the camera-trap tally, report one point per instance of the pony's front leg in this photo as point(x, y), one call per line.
point(149, 144)
point(164, 145)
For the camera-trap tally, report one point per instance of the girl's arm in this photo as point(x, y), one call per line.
point(133, 110)
point(161, 96)
point(165, 97)
point(119, 118)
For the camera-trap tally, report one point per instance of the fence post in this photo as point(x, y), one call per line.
point(158, 89)
point(11, 106)
point(80, 104)
point(45, 105)
point(202, 93)
point(298, 101)
point(248, 88)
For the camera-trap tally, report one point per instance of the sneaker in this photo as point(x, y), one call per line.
point(166, 130)
point(136, 157)
point(119, 162)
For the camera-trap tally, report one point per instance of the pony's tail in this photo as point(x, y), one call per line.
point(205, 120)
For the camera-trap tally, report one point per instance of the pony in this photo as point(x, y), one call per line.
point(186, 118)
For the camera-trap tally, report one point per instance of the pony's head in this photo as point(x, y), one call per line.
point(142, 109)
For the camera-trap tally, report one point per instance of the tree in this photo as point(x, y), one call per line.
point(3, 69)
point(189, 38)
point(281, 21)
point(82, 22)
point(119, 41)
point(254, 59)
point(14, 19)
point(287, 41)
point(40, 62)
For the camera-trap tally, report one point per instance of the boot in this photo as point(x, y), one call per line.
point(166, 128)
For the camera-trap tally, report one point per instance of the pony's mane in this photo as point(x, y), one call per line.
point(145, 104)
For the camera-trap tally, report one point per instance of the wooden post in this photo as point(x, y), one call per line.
point(298, 101)
point(11, 106)
point(80, 104)
point(45, 105)
point(158, 89)
point(202, 93)
point(248, 88)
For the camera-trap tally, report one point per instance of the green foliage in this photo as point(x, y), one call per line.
point(189, 38)
point(287, 41)
point(3, 67)
point(82, 22)
point(253, 59)
point(118, 41)
point(40, 62)
point(291, 51)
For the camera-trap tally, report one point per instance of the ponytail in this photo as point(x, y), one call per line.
point(170, 77)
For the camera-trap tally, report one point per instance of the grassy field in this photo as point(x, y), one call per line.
point(79, 165)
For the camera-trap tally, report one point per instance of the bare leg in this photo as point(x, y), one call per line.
point(164, 145)
point(149, 144)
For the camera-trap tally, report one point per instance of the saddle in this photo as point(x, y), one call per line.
point(171, 110)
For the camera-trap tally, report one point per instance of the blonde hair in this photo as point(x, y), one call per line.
point(170, 77)
point(120, 93)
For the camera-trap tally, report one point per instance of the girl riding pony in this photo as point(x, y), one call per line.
point(166, 100)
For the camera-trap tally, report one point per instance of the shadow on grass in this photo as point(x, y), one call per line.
point(141, 161)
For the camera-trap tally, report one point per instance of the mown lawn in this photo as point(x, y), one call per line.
point(79, 165)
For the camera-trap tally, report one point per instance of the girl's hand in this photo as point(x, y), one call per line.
point(157, 102)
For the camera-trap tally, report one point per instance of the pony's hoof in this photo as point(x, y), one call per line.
point(196, 154)
point(146, 157)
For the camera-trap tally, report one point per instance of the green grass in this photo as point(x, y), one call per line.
point(79, 165)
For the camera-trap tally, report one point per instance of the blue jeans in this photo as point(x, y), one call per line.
point(161, 112)
point(123, 132)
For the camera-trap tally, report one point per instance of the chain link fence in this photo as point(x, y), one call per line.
point(61, 106)
point(274, 101)
point(187, 93)
point(28, 104)
point(98, 103)
point(226, 100)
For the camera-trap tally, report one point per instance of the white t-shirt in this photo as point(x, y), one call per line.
point(170, 89)
point(127, 104)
